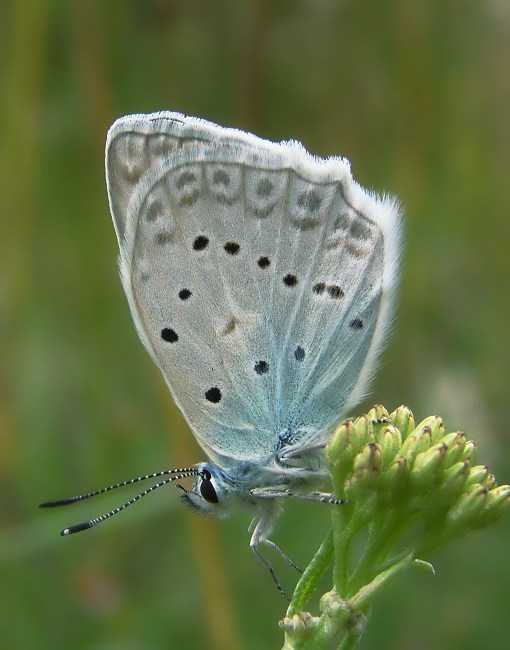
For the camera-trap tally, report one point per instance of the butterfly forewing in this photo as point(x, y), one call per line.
point(257, 277)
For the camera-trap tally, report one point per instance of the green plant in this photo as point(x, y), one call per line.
point(411, 488)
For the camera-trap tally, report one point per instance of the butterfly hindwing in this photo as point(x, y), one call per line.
point(259, 278)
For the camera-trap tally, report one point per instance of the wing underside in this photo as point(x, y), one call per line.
point(259, 278)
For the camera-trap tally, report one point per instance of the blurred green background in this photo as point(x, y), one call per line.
point(417, 95)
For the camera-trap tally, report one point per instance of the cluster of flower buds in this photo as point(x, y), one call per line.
point(382, 461)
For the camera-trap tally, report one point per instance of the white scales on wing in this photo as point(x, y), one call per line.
point(259, 278)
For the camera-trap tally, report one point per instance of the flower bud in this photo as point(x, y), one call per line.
point(436, 427)
point(496, 504)
point(378, 412)
point(467, 508)
point(367, 469)
point(452, 483)
point(426, 468)
point(417, 442)
point(403, 419)
point(391, 442)
point(490, 481)
point(362, 433)
point(456, 443)
point(393, 481)
point(340, 454)
point(340, 442)
point(433, 422)
point(469, 452)
point(477, 474)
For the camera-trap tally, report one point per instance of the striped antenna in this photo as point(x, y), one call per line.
point(177, 474)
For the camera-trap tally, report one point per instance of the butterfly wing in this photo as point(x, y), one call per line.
point(259, 278)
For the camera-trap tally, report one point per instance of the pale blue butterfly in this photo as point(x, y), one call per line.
point(261, 281)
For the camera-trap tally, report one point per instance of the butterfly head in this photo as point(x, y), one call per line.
point(210, 494)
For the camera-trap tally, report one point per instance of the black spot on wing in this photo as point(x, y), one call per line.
point(261, 367)
point(169, 335)
point(290, 280)
point(213, 394)
point(328, 290)
point(232, 247)
point(335, 291)
point(299, 353)
point(263, 262)
point(184, 294)
point(356, 324)
point(200, 243)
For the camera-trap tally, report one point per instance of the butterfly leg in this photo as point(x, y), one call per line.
point(269, 567)
point(261, 528)
point(287, 559)
point(279, 493)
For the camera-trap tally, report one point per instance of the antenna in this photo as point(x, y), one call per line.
point(177, 474)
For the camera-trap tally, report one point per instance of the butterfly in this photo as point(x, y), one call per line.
point(261, 281)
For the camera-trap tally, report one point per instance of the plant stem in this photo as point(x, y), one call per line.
point(308, 582)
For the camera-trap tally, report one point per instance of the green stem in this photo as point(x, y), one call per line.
point(371, 552)
point(345, 529)
point(313, 573)
point(346, 615)
point(364, 596)
point(350, 640)
point(383, 533)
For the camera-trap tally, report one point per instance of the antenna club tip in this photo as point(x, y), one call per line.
point(77, 528)
point(56, 504)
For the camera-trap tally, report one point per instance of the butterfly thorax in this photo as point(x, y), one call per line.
point(241, 484)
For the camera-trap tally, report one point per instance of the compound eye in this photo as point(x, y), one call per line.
point(207, 488)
